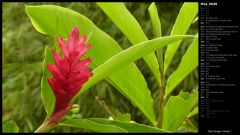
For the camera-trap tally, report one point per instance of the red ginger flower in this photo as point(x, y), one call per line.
point(69, 72)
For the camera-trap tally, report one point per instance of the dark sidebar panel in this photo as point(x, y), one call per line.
point(218, 66)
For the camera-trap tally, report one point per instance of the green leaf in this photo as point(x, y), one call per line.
point(131, 127)
point(57, 21)
point(128, 56)
point(123, 117)
point(111, 125)
point(193, 112)
point(188, 63)
point(10, 127)
point(177, 109)
point(48, 97)
point(156, 23)
point(195, 20)
point(124, 58)
point(188, 127)
point(185, 17)
point(92, 126)
point(155, 20)
point(126, 22)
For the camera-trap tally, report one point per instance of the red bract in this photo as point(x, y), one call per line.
point(69, 72)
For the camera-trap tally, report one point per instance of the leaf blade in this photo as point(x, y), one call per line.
point(123, 58)
point(157, 31)
point(47, 95)
point(183, 104)
point(193, 112)
point(125, 126)
point(10, 127)
point(45, 18)
point(90, 125)
point(188, 63)
point(131, 29)
point(129, 55)
point(185, 17)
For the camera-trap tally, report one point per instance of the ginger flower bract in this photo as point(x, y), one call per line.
point(69, 73)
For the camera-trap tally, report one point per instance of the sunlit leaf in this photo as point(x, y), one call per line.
point(193, 112)
point(126, 22)
point(92, 126)
point(185, 17)
point(105, 125)
point(187, 126)
point(57, 21)
point(177, 109)
point(47, 94)
point(128, 56)
point(155, 20)
point(123, 117)
point(156, 23)
point(10, 127)
point(188, 63)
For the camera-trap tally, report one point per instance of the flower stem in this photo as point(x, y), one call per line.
point(42, 128)
point(103, 104)
point(46, 126)
point(161, 102)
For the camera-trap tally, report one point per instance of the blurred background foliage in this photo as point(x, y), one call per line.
point(22, 56)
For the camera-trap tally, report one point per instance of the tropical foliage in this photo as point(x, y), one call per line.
point(155, 94)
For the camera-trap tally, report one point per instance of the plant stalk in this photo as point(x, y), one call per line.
point(103, 104)
point(55, 119)
point(44, 127)
point(161, 86)
point(161, 103)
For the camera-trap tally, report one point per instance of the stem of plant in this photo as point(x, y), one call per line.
point(162, 86)
point(44, 127)
point(103, 104)
point(55, 119)
point(161, 103)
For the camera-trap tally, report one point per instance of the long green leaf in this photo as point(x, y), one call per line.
point(92, 126)
point(10, 127)
point(156, 23)
point(128, 56)
point(57, 21)
point(155, 20)
point(105, 125)
point(47, 94)
point(177, 109)
point(126, 22)
point(131, 127)
point(188, 63)
point(193, 112)
point(185, 17)
point(124, 58)
point(123, 117)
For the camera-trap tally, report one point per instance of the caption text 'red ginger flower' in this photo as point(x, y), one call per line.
point(69, 72)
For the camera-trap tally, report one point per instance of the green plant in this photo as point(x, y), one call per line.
point(116, 66)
